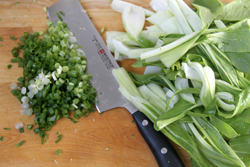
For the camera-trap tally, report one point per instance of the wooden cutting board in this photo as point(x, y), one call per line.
point(107, 140)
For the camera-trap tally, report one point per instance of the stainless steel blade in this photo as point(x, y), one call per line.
point(99, 59)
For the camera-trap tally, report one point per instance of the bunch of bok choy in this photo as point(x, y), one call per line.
point(197, 86)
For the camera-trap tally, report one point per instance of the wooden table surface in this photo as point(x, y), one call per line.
point(84, 143)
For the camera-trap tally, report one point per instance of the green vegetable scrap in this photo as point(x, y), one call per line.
point(9, 66)
point(20, 144)
point(17, 3)
point(45, 9)
point(13, 38)
point(58, 152)
point(59, 16)
point(54, 82)
point(29, 126)
point(62, 13)
point(59, 138)
point(196, 86)
point(1, 138)
point(1, 39)
point(6, 128)
point(21, 130)
point(102, 30)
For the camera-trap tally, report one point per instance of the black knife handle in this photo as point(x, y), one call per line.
point(163, 151)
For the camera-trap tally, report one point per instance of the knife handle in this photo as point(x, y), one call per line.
point(163, 151)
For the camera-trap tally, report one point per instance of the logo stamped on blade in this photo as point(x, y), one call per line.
point(103, 54)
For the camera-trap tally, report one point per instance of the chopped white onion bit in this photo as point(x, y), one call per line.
point(53, 76)
point(41, 75)
point(72, 39)
point(25, 99)
point(34, 91)
point(29, 112)
point(59, 70)
point(45, 81)
point(30, 95)
point(40, 87)
point(23, 90)
point(25, 106)
point(75, 106)
point(13, 86)
point(19, 125)
point(22, 112)
point(80, 52)
point(31, 86)
point(53, 118)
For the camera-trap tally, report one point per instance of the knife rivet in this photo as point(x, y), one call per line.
point(145, 122)
point(164, 150)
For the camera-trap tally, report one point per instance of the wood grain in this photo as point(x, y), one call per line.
point(84, 144)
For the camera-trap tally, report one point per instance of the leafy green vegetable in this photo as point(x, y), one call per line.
point(236, 11)
point(201, 101)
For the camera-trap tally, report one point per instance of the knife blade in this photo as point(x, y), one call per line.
point(100, 63)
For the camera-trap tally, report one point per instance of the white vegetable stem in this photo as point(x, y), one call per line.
point(159, 5)
point(119, 6)
point(179, 16)
point(159, 17)
point(192, 18)
point(219, 24)
point(133, 19)
point(171, 26)
point(181, 83)
point(208, 82)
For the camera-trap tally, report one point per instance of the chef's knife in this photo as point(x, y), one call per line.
point(100, 64)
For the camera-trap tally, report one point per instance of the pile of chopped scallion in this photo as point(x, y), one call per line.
point(54, 81)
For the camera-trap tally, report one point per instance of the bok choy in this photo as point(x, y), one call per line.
point(198, 92)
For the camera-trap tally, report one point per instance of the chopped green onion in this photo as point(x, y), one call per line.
point(62, 13)
point(58, 15)
point(36, 130)
point(20, 144)
point(59, 138)
point(29, 126)
point(58, 152)
point(17, 3)
point(9, 66)
point(2, 138)
point(55, 161)
point(21, 130)
point(45, 9)
point(1, 39)
point(41, 33)
point(90, 15)
point(13, 38)
point(58, 87)
point(102, 30)
point(74, 121)
point(6, 128)
point(106, 148)
point(132, 121)
point(44, 138)
point(58, 133)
